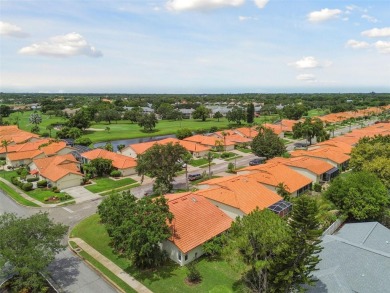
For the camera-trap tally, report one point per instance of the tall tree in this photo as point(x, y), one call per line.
point(148, 121)
point(161, 162)
point(250, 113)
point(137, 226)
point(102, 166)
point(236, 115)
point(50, 128)
point(217, 115)
point(81, 119)
point(133, 114)
point(361, 195)
point(201, 112)
point(209, 159)
point(257, 244)
point(35, 119)
point(267, 144)
point(310, 128)
point(29, 245)
point(294, 112)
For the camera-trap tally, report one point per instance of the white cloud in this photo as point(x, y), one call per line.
point(261, 3)
point(323, 15)
point(377, 32)
point(245, 18)
point(185, 5)
point(11, 30)
point(383, 47)
point(369, 18)
point(309, 62)
point(357, 44)
point(71, 44)
point(306, 77)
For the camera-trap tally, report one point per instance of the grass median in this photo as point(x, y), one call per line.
point(16, 196)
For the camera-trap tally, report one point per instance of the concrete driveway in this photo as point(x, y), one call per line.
point(80, 194)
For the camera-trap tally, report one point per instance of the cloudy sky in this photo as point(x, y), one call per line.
point(194, 46)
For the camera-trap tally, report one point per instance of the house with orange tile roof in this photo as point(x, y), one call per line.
point(277, 129)
point(233, 136)
point(239, 195)
point(18, 159)
point(315, 169)
point(28, 146)
point(196, 149)
point(212, 141)
point(334, 157)
point(273, 174)
point(61, 171)
point(337, 145)
point(248, 132)
point(14, 135)
point(126, 165)
point(195, 221)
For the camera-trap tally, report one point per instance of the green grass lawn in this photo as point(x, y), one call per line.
point(244, 150)
point(125, 188)
point(42, 193)
point(105, 184)
point(16, 196)
point(218, 276)
point(316, 112)
point(198, 162)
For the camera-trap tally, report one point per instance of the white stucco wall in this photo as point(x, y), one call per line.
point(65, 151)
point(174, 252)
point(18, 163)
point(128, 171)
point(67, 181)
point(312, 176)
point(128, 151)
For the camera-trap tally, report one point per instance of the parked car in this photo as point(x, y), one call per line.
point(257, 161)
point(193, 177)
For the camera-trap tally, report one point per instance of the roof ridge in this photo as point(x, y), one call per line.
point(369, 232)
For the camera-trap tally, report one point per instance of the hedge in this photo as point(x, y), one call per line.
point(42, 183)
point(115, 173)
point(27, 186)
point(32, 179)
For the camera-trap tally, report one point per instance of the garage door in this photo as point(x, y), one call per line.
point(68, 182)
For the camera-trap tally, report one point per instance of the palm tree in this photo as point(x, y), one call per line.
point(283, 190)
point(186, 160)
point(209, 159)
point(224, 134)
point(50, 128)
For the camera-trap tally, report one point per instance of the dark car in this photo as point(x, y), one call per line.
point(257, 161)
point(193, 177)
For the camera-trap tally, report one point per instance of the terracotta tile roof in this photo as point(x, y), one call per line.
point(13, 134)
point(209, 140)
point(275, 128)
point(314, 165)
point(324, 152)
point(53, 148)
point(338, 145)
point(23, 155)
point(196, 220)
point(118, 161)
point(274, 173)
point(243, 193)
point(142, 147)
point(56, 167)
point(247, 132)
point(351, 140)
point(28, 146)
point(287, 124)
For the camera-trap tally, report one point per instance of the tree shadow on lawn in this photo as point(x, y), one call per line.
point(155, 274)
point(149, 131)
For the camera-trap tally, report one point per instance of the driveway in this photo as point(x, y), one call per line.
point(80, 194)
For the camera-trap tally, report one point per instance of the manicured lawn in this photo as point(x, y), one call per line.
point(198, 162)
point(244, 150)
point(121, 189)
point(218, 276)
point(42, 193)
point(105, 184)
point(316, 112)
point(16, 196)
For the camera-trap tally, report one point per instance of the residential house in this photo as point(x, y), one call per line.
point(196, 149)
point(331, 155)
point(239, 195)
point(315, 169)
point(13, 135)
point(62, 171)
point(126, 165)
point(354, 259)
point(273, 174)
point(212, 142)
point(195, 221)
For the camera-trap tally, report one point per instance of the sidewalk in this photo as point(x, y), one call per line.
point(129, 280)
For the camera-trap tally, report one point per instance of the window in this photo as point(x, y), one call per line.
point(179, 256)
point(196, 254)
point(186, 257)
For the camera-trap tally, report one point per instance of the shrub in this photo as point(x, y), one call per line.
point(42, 183)
point(231, 168)
point(317, 187)
point(213, 129)
point(85, 141)
point(54, 188)
point(225, 155)
point(193, 274)
point(115, 173)
point(65, 197)
point(33, 179)
point(27, 186)
point(45, 134)
point(15, 181)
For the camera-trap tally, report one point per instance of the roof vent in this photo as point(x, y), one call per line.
point(193, 199)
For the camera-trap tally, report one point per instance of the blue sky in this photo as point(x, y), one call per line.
point(194, 46)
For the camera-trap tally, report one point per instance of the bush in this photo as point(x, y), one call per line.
point(115, 173)
point(27, 186)
point(317, 187)
point(54, 189)
point(42, 183)
point(231, 168)
point(15, 181)
point(33, 179)
point(193, 274)
point(213, 129)
point(225, 155)
point(183, 133)
point(65, 197)
point(45, 134)
point(85, 141)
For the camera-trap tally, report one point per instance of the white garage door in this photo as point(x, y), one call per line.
point(68, 182)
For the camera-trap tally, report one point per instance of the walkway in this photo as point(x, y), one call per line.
point(129, 280)
point(81, 194)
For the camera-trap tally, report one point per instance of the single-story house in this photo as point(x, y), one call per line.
point(60, 171)
point(239, 195)
point(315, 169)
point(18, 159)
point(328, 154)
point(273, 174)
point(212, 142)
point(195, 221)
point(23, 147)
point(354, 259)
point(126, 165)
